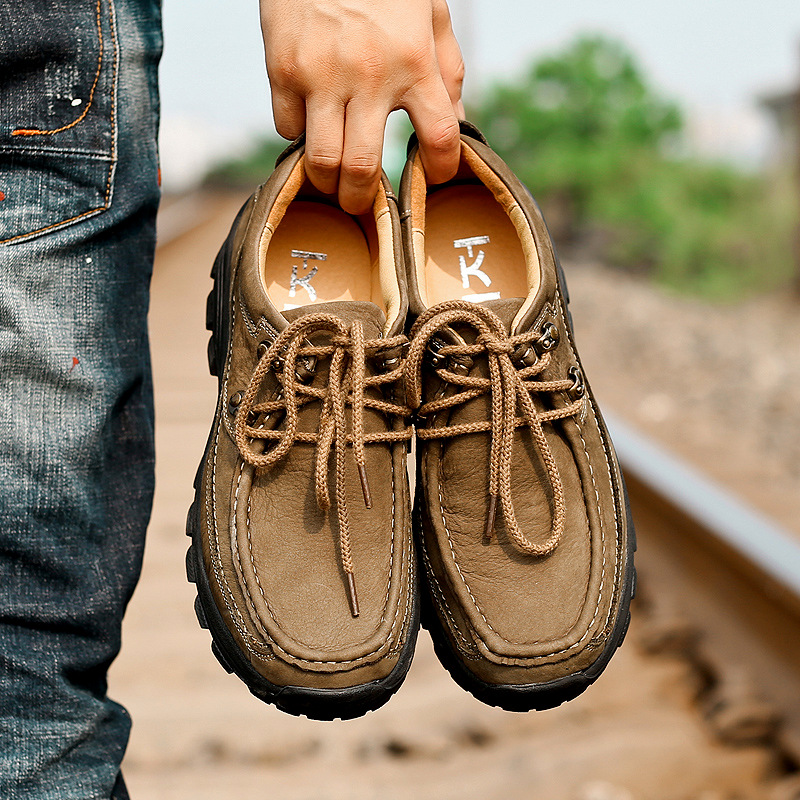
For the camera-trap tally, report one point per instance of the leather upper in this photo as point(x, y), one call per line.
point(271, 553)
point(514, 618)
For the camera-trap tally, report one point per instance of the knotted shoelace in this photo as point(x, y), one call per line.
point(510, 388)
point(262, 445)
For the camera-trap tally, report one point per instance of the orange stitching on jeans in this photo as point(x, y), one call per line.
point(54, 225)
point(112, 165)
point(112, 19)
point(36, 131)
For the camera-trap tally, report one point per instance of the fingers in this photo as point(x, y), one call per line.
point(344, 148)
point(324, 142)
point(434, 119)
point(434, 104)
point(344, 144)
point(361, 157)
point(448, 56)
point(289, 111)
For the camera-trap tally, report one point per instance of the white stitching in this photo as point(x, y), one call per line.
point(441, 602)
point(212, 513)
point(602, 540)
point(616, 495)
point(252, 644)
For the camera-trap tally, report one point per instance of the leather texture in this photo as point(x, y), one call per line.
point(270, 554)
point(499, 616)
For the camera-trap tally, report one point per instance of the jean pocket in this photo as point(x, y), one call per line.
point(58, 85)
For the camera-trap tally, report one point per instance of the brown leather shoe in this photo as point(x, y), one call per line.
point(522, 518)
point(301, 536)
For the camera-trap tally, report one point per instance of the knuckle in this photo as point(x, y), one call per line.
point(323, 163)
point(441, 10)
point(417, 60)
point(362, 170)
point(370, 70)
point(284, 72)
point(443, 137)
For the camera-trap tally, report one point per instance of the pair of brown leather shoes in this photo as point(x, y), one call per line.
point(328, 332)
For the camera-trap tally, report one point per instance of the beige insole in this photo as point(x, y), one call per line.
point(317, 254)
point(472, 248)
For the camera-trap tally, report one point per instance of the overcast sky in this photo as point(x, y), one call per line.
point(713, 56)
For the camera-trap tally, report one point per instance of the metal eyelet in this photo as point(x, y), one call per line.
point(548, 337)
point(391, 358)
point(261, 350)
point(527, 357)
point(578, 388)
point(434, 346)
point(460, 365)
point(304, 369)
point(279, 361)
point(234, 402)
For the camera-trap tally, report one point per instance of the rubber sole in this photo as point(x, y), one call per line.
point(320, 704)
point(531, 696)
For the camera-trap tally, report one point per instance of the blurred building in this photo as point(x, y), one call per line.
point(784, 109)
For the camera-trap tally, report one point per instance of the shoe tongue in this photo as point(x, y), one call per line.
point(372, 318)
point(505, 308)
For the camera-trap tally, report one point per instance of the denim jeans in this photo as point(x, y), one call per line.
point(78, 197)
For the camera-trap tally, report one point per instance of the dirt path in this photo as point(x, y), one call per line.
point(199, 735)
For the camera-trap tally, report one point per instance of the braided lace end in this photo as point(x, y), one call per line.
point(488, 531)
point(353, 594)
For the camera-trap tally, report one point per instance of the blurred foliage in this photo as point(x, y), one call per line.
point(600, 149)
point(249, 170)
point(579, 122)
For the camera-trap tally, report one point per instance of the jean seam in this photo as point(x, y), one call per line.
point(113, 159)
point(82, 115)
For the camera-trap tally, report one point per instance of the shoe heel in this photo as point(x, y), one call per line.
point(214, 312)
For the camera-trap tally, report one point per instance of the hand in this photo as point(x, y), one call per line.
point(337, 68)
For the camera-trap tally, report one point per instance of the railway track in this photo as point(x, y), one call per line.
point(723, 583)
point(719, 590)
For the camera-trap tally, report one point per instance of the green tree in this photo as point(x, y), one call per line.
point(579, 123)
point(599, 148)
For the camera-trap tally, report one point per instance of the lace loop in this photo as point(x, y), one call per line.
point(510, 388)
point(294, 360)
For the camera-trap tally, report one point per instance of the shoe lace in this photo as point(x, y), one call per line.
point(294, 359)
point(510, 387)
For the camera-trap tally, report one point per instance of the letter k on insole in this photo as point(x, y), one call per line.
point(473, 250)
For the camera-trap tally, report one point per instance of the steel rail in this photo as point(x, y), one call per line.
point(729, 571)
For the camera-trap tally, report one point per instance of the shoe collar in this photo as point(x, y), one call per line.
point(518, 204)
point(270, 204)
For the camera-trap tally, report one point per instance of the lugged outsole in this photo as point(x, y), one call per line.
point(527, 697)
point(319, 704)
